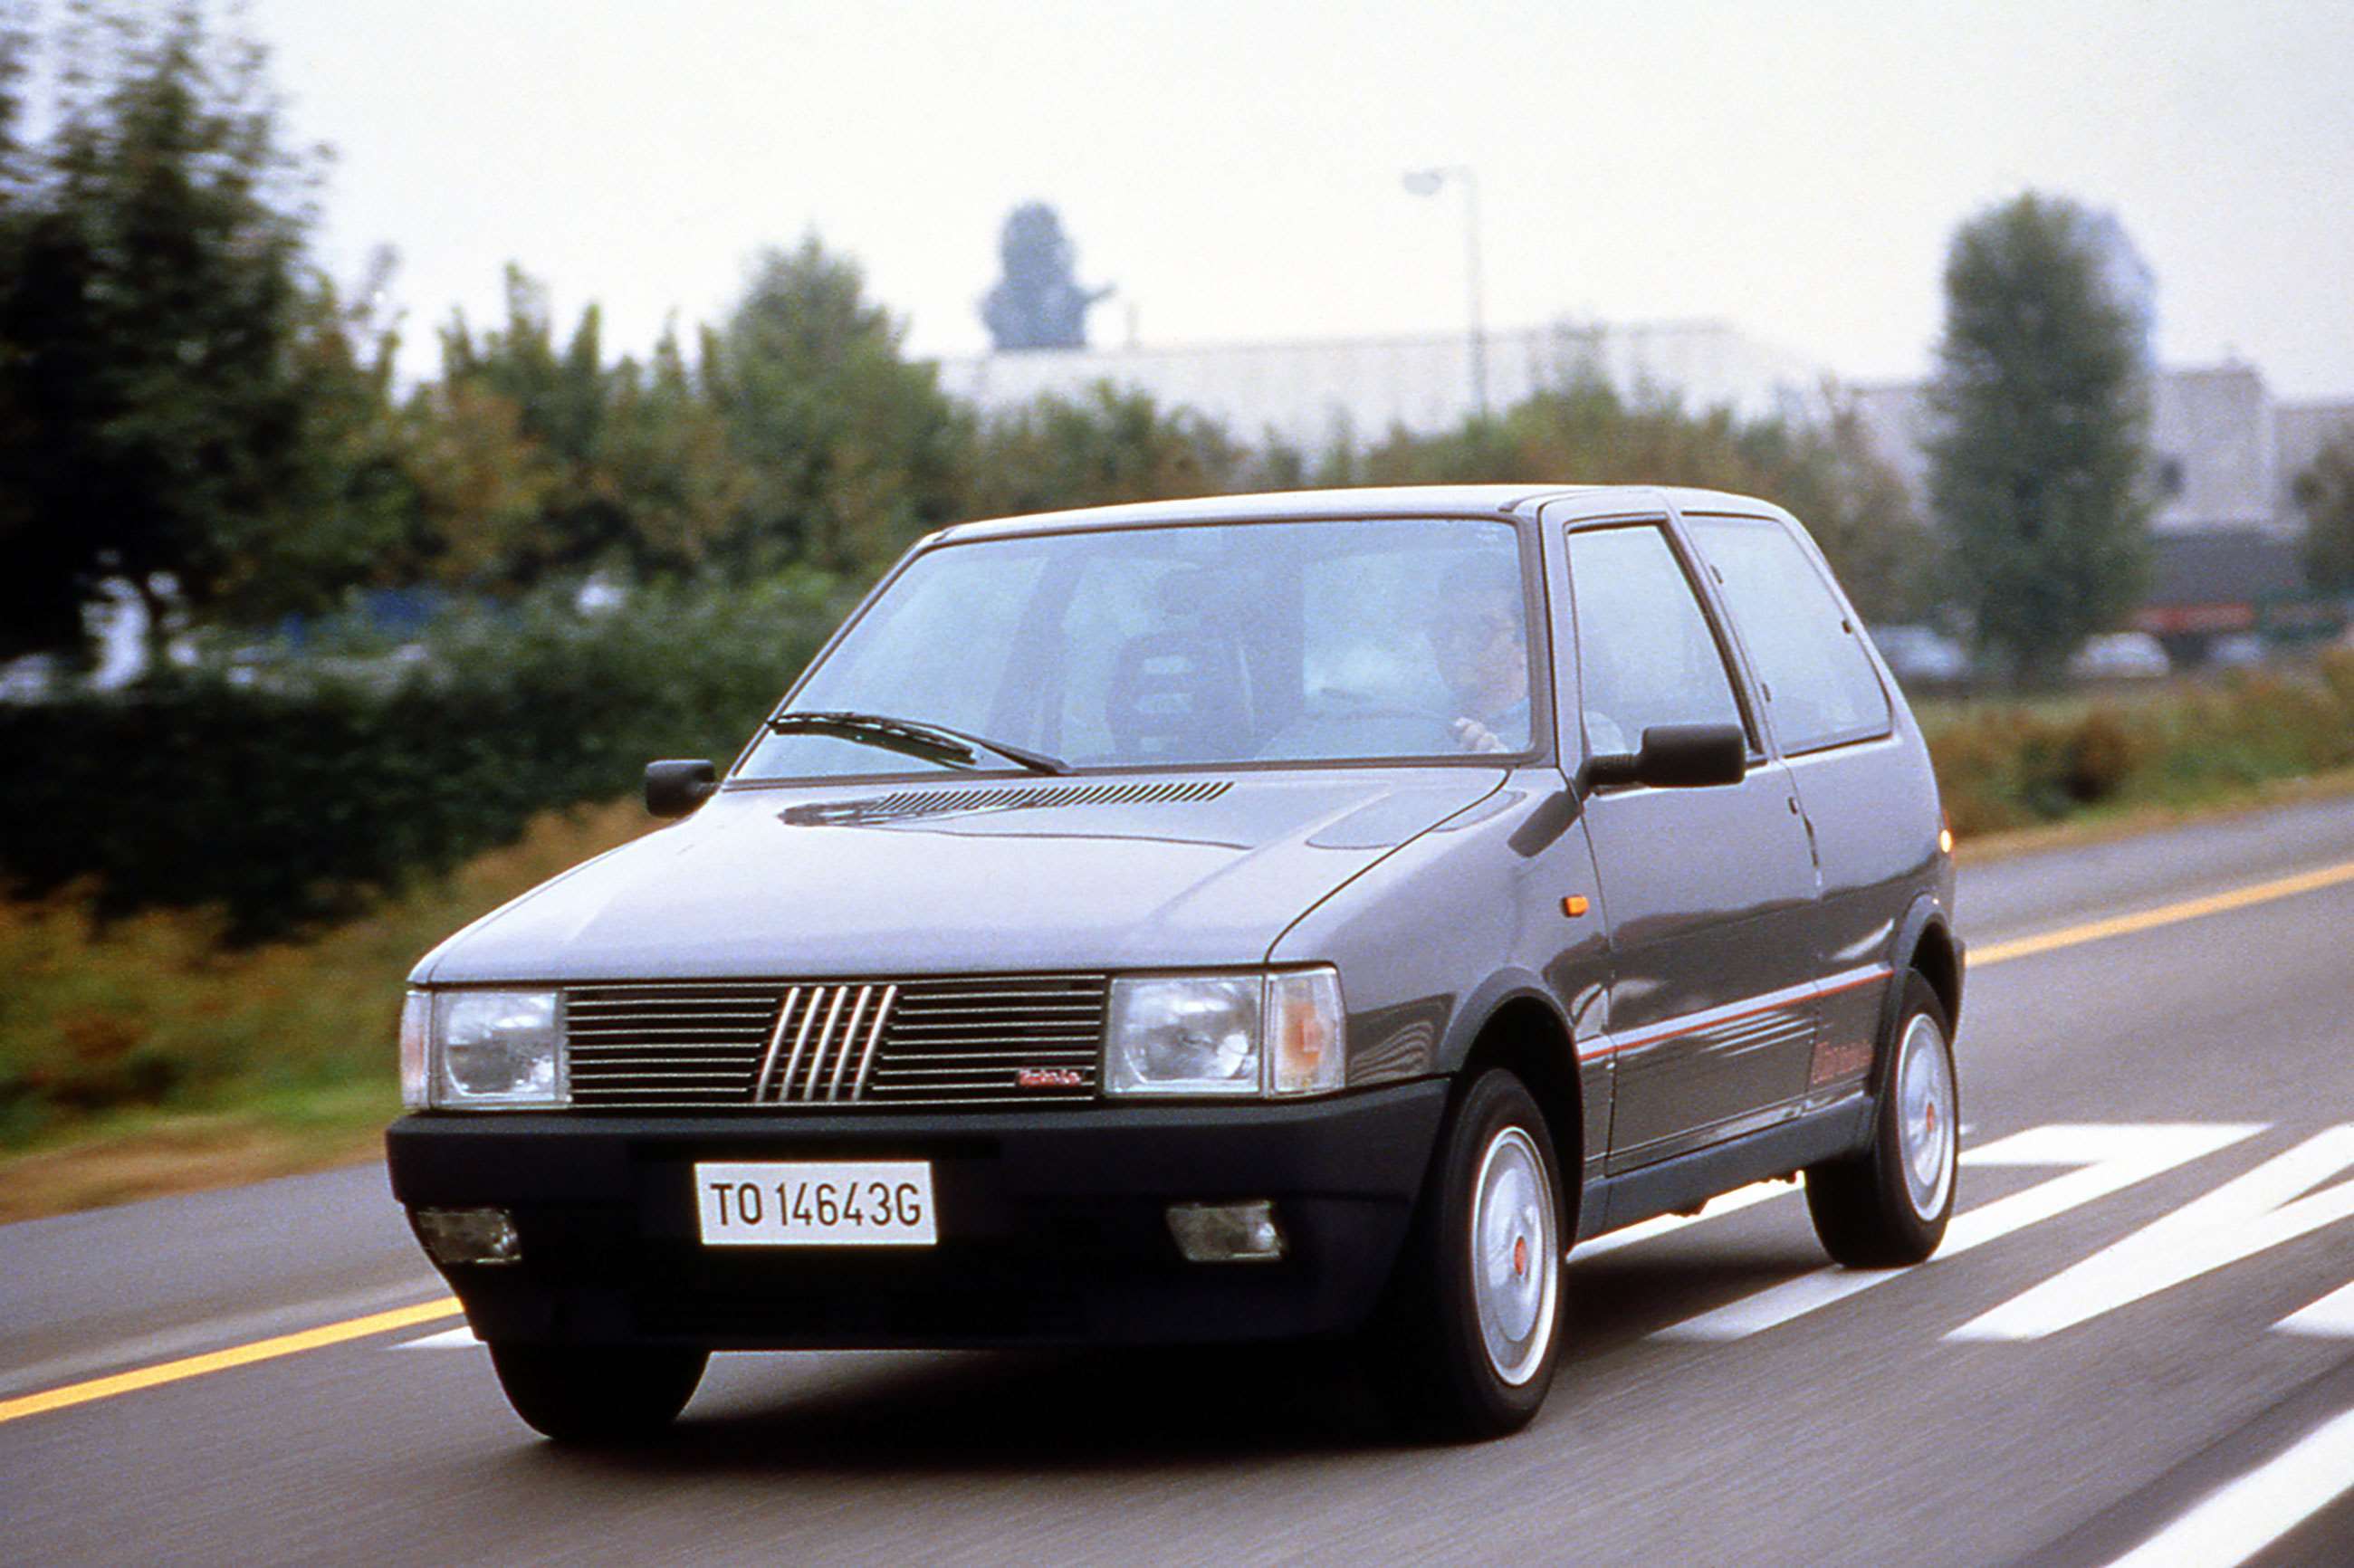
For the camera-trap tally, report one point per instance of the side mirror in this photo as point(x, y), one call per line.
point(1675, 757)
point(675, 787)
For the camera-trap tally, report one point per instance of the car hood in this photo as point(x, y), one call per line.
point(1159, 872)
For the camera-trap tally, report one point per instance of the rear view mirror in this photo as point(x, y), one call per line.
point(1675, 757)
point(677, 787)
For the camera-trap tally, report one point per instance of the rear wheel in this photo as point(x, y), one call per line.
point(1888, 1206)
point(597, 1395)
point(1469, 1335)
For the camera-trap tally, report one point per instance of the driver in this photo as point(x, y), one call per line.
point(1481, 646)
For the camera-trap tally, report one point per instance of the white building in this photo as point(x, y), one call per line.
point(2223, 455)
point(2225, 459)
point(1308, 392)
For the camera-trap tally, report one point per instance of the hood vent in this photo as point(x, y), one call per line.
point(911, 803)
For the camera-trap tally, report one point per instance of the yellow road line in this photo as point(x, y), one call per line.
point(2164, 914)
point(235, 1356)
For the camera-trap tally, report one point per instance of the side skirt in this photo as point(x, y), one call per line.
point(1688, 1180)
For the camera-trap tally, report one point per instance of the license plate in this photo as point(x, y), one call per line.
point(857, 1202)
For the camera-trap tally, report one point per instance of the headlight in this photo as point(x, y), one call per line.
point(492, 1049)
point(1225, 1034)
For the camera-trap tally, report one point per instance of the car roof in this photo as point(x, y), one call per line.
point(1393, 500)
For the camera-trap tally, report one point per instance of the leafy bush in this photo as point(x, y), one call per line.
point(2003, 766)
point(287, 794)
point(150, 1012)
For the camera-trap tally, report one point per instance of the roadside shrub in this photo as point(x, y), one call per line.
point(153, 1010)
point(287, 793)
point(2103, 752)
point(2006, 766)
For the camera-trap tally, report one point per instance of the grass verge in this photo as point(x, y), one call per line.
point(2100, 824)
point(145, 1055)
point(127, 1156)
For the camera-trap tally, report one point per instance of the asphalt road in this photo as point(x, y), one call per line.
point(2097, 1366)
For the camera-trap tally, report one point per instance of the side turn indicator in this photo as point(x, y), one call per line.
point(1574, 906)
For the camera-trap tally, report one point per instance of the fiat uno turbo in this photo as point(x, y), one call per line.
point(1287, 917)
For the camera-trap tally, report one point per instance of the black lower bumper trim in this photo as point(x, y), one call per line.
point(1052, 1226)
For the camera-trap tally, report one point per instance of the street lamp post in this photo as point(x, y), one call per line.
point(1427, 182)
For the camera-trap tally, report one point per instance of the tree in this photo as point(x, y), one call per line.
point(39, 607)
point(2325, 494)
point(535, 498)
point(853, 449)
point(1038, 303)
point(673, 469)
point(346, 500)
point(170, 365)
point(535, 461)
point(2035, 476)
point(1103, 446)
point(482, 485)
point(1584, 431)
point(1855, 505)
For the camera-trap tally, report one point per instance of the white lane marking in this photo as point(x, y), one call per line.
point(2237, 1220)
point(2110, 1157)
point(1723, 1204)
point(2332, 1317)
point(458, 1338)
point(2242, 1518)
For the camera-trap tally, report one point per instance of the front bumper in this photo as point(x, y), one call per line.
point(1052, 1224)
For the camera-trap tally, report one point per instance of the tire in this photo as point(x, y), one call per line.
point(1888, 1206)
point(595, 1395)
point(1467, 1340)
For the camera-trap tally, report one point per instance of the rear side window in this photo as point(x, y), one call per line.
point(1644, 653)
point(1820, 684)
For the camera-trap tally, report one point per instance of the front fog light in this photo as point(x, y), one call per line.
point(1227, 1232)
point(469, 1235)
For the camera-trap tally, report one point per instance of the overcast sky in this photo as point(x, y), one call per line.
point(1794, 168)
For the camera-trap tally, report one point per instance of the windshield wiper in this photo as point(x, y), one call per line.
point(912, 738)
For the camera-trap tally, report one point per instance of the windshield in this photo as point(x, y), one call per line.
point(1264, 641)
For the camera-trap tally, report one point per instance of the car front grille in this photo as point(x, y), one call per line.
point(858, 1044)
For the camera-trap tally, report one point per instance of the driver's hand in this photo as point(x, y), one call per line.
point(1473, 736)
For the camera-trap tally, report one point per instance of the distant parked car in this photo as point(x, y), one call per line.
point(1266, 917)
point(2238, 652)
point(1919, 655)
point(2121, 655)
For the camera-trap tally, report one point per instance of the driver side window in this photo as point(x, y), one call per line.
point(1644, 653)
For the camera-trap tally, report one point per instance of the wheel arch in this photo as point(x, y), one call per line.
point(1524, 1031)
point(1939, 959)
point(1926, 942)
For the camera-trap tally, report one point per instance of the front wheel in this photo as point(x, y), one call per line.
point(597, 1395)
point(1888, 1206)
point(1469, 1335)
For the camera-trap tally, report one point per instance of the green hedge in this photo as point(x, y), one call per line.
point(293, 792)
